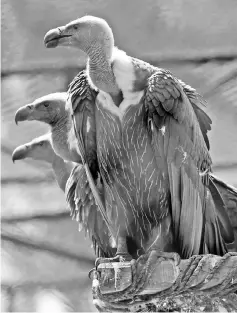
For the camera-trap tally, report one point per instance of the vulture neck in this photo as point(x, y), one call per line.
point(100, 72)
point(62, 171)
point(59, 121)
point(61, 127)
point(59, 133)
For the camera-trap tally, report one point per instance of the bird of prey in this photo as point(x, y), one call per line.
point(152, 147)
point(72, 179)
point(51, 110)
point(77, 185)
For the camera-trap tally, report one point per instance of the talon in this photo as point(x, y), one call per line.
point(123, 257)
point(117, 258)
point(168, 255)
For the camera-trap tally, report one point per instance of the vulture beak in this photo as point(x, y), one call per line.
point(20, 153)
point(24, 113)
point(56, 37)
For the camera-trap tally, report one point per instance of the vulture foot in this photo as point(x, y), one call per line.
point(166, 255)
point(117, 258)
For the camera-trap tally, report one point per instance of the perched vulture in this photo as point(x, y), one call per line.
point(152, 147)
point(52, 110)
point(77, 185)
point(71, 176)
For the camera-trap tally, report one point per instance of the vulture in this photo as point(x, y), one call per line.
point(151, 146)
point(71, 176)
point(52, 110)
point(46, 109)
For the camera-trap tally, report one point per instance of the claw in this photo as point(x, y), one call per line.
point(168, 255)
point(123, 257)
point(117, 258)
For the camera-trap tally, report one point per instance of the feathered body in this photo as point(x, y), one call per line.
point(150, 142)
point(136, 190)
point(143, 160)
point(135, 174)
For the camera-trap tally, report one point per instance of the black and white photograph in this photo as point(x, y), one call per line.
point(118, 156)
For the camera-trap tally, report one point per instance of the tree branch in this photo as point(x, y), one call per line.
point(30, 244)
point(159, 282)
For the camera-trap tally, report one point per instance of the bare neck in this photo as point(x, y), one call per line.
point(100, 71)
point(62, 170)
point(60, 137)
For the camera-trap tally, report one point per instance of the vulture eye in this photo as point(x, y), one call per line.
point(41, 143)
point(46, 104)
point(75, 27)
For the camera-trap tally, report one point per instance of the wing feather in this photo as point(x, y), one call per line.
point(184, 150)
point(81, 101)
point(198, 104)
point(83, 206)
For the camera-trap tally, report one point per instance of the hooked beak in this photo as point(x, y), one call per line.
point(55, 37)
point(24, 113)
point(20, 153)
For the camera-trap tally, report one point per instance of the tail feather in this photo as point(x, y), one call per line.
point(221, 210)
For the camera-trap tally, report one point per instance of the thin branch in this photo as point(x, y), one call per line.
point(45, 217)
point(62, 283)
point(42, 246)
point(27, 180)
point(224, 166)
point(39, 69)
point(154, 58)
point(210, 90)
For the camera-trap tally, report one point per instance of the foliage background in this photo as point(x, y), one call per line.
point(45, 260)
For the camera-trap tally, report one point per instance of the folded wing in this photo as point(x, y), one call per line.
point(180, 148)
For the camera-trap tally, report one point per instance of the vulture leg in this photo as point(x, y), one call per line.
point(122, 254)
point(99, 261)
point(122, 249)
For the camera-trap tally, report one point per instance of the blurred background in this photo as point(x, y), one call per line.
point(45, 260)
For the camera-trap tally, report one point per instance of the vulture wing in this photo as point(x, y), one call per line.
point(179, 144)
point(229, 196)
point(83, 208)
point(81, 102)
point(198, 103)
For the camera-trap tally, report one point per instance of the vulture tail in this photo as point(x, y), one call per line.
point(221, 211)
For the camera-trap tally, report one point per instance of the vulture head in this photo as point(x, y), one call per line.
point(38, 149)
point(86, 33)
point(48, 109)
point(94, 37)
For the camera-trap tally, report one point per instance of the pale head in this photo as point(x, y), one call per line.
point(85, 33)
point(48, 109)
point(39, 148)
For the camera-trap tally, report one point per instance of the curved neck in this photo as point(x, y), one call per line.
point(62, 171)
point(100, 70)
point(59, 121)
point(59, 133)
